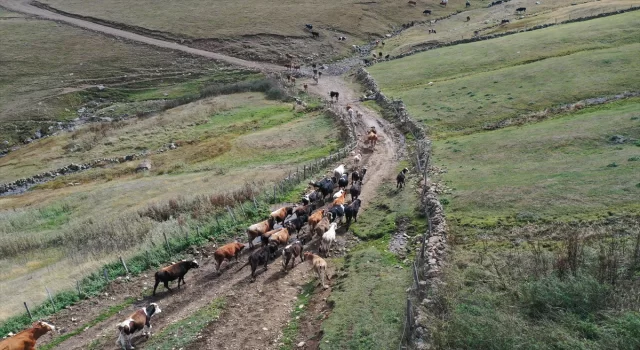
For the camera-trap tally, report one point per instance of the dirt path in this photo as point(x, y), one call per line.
point(256, 312)
point(23, 6)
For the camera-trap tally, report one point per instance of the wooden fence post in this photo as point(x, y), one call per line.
point(274, 193)
point(304, 172)
point(166, 241)
point(51, 299)
point(217, 222)
point(198, 231)
point(124, 264)
point(146, 253)
point(28, 311)
point(78, 287)
point(231, 214)
point(106, 275)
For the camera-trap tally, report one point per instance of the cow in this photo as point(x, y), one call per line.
point(468, 18)
point(333, 94)
point(306, 87)
point(320, 76)
point(504, 21)
point(363, 172)
point(291, 252)
point(467, 4)
point(173, 272)
point(309, 26)
point(521, 9)
point(264, 238)
point(302, 210)
point(340, 200)
point(357, 158)
point(227, 251)
point(337, 172)
point(319, 266)
point(280, 238)
point(355, 176)
point(328, 238)
point(297, 223)
point(138, 320)
point(401, 177)
point(412, 2)
point(281, 214)
point(426, 12)
point(259, 257)
point(336, 212)
point(343, 182)
point(351, 211)
point(359, 115)
point(315, 218)
point(325, 186)
point(355, 190)
point(315, 34)
point(372, 139)
point(312, 197)
point(387, 56)
point(257, 230)
point(26, 340)
point(322, 226)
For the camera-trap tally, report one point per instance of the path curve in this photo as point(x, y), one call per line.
point(256, 312)
point(24, 6)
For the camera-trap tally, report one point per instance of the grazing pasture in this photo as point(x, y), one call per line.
point(46, 66)
point(486, 82)
point(567, 168)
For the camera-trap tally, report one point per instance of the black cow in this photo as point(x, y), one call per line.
point(325, 186)
point(309, 26)
point(400, 178)
point(363, 172)
point(351, 211)
point(521, 9)
point(355, 176)
point(467, 4)
point(386, 57)
point(504, 21)
point(297, 223)
point(336, 212)
point(259, 257)
point(343, 181)
point(173, 272)
point(426, 12)
point(333, 94)
point(355, 190)
point(315, 34)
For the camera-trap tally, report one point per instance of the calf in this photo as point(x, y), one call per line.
point(426, 12)
point(340, 200)
point(291, 252)
point(315, 219)
point(319, 266)
point(336, 212)
point(355, 190)
point(338, 172)
point(322, 227)
point(281, 214)
point(257, 230)
point(351, 211)
point(315, 34)
point(227, 251)
point(259, 257)
point(338, 194)
point(135, 322)
point(343, 182)
point(411, 2)
point(26, 340)
point(401, 177)
point(328, 238)
point(333, 94)
point(173, 272)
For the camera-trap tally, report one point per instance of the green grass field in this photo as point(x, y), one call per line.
point(46, 66)
point(561, 169)
point(486, 85)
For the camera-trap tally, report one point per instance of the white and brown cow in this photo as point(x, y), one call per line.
point(135, 322)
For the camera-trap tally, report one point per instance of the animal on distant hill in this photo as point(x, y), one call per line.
point(315, 34)
point(333, 94)
point(504, 21)
point(412, 2)
point(138, 320)
point(291, 252)
point(319, 266)
point(521, 9)
point(26, 340)
point(173, 272)
point(259, 257)
point(227, 251)
point(351, 211)
point(426, 12)
point(401, 177)
point(467, 4)
point(309, 26)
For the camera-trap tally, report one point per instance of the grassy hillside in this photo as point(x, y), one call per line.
point(483, 84)
point(561, 169)
point(228, 141)
point(46, 66)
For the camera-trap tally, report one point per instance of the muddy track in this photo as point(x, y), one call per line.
point(256, 312)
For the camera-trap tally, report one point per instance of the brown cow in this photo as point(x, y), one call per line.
point(306, 87)
point(322, 226)
point(319, 266)
point(257, 230)
point(264, 238)
point(227, 251)
point(315, 218)
point(340, 200)
point(293, 250)
point(281, 214)
point(372, 139)
point(279, 238)
point(173, 272)
point(135, 322)
point(26, 340)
